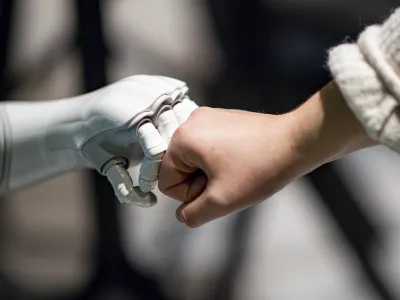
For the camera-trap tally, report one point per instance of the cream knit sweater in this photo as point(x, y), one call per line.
point(368, 75)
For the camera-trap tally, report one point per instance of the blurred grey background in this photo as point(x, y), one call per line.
point(332, 235)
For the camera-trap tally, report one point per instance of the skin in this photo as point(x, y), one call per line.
point(222, 161)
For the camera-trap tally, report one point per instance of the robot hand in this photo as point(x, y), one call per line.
point(121, 130)
point(130, 125)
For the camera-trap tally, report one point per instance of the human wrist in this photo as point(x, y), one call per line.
point(325, 128)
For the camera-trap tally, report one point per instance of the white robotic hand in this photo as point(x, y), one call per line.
point(133, 121)
point(121, 130)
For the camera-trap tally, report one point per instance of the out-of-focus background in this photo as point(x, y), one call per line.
point(334, 234)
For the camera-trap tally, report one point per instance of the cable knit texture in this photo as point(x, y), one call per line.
point(368, 75)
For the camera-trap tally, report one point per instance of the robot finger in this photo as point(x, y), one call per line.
point(153, 145)
point(183, 109)
point(123, 186)
point(150, 140)
point(148, 175)
point(166, 122)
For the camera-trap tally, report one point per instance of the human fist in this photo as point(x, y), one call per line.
point(221, 161)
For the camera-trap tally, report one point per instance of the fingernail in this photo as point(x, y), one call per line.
point(180, 214)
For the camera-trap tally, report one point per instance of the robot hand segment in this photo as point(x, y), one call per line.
point(153, 134)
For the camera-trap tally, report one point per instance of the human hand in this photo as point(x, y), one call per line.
point(221, 161)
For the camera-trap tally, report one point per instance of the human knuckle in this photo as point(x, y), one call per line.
point(200, 112)
point(217, 199)
point(180, 133)
point(183, 136)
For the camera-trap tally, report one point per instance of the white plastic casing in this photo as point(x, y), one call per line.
point(43, 139)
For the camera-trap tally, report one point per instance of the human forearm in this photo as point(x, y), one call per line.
point(326, 129)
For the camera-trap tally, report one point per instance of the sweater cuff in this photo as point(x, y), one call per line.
point(368, 75)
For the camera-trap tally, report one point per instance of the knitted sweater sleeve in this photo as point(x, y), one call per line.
point(368, 75)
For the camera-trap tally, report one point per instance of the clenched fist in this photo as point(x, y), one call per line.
point(221, 161)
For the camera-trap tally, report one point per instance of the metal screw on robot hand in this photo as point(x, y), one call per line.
point(123, 186)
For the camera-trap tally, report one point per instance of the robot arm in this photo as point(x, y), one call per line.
point(121, 130)
point(33, 146)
